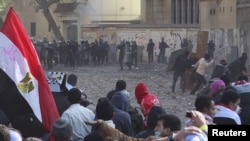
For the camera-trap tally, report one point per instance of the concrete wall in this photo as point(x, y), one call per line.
point(172, 36)
point(226, 43)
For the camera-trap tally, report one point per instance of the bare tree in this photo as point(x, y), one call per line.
point(44, 6)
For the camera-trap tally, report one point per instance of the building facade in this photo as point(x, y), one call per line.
point(162, 12)
point(228, 26)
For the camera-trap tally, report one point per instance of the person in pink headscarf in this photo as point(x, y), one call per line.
point(217, 88)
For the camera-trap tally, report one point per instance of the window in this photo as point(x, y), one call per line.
point(213, 11)
point(231, 9)
point(185, 12)
point(174, 11)
point(192, 12)
point(223, 10)
point(32, 29)
point(180, 12)
point(49, 28)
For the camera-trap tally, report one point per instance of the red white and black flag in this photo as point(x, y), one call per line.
point(23, 85)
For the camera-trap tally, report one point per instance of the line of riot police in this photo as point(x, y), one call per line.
point(71, 54)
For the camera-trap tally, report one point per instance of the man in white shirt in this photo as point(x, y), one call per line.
point(77, 114)
point(202, 65)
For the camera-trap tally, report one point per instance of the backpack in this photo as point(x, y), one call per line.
point(137, 121)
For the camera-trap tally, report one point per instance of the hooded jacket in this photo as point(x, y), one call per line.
point(146, 99)
point(121, 117)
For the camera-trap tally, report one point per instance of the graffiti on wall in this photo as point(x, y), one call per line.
point(172, 38)
point(89, 35)
point(141, 37)
point(109, 36)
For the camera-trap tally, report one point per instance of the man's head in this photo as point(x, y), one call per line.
point(223, 62)
point(243, 77)
point(205, 105)
point(168, 124)
point(153, 115)
point(72, 79)
point(74, 96)
point(62, 130)
point(244, 56)
point(207, 56)
point(120, 85)
point(231, 99)
point(104, 109)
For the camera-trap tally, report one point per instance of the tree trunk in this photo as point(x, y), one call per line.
point(52, 23)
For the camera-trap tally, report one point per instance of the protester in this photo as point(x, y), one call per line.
point(238, 67)
point(227, 109)
point(168, 125)
point(152, 119)
point(104, 111)
point(121, 117)
point(76, 114)
point(206, 106)
point(180, 65)
point(220, 70)
point(242, 86)
point(62, 130)
point(202, 66)
point(217, 89)
point(145, 99)
point(120, 86)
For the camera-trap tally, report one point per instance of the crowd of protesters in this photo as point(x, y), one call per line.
point(226, 103)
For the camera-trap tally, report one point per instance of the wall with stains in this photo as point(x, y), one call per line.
point(230, 43)
point(173, 37)
point(227, 44)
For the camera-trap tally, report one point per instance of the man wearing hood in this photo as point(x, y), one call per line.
point(238, 67)
point(145, 99)
point(121, 117)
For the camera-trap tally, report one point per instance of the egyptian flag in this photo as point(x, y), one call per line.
point(23, 86)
